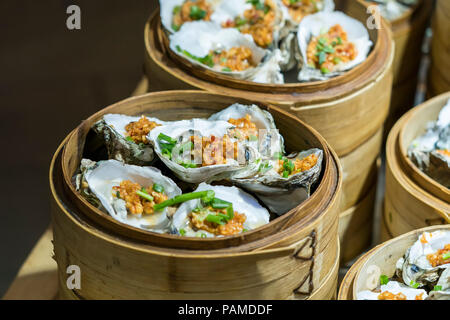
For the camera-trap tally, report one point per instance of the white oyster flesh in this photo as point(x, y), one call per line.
point(416, 268)
point(393, 287)
point(180, 159)
point(167, 8)
point(268, 141)
point(281, 194)
point(108, 174)
point(196, 40)
point(318, 23)
point(112, 130)
point(423, 151)
point(243, 203)
point(228, 10)
point(393, 9)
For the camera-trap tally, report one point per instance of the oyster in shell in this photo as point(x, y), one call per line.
point(425, 260)
point(128, 193)
point(393, 288)
point(174, 13)
point(125, 137)
point(254, 127)
point(442, 288)
point(431, 151)
point(296, 10)
point(199, 150)
point(393, 9)
point(193, 218)
point(225, 51)
point(263, 20)
point(284, 182)
point(330, 43)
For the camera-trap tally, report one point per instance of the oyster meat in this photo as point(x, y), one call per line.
point(283, 182)
point(330, 43)
point(431, 151)
point(196, 218)
point(128, 193)
point(126, 137)
point(393, 290)
point(200, 150)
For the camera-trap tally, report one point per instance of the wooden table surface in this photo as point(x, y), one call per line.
point(37, 279)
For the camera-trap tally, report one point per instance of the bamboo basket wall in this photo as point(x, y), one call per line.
point(348, 111)
point(293, 257)
point(439, 78)
point(408, 206)
point(383, 256)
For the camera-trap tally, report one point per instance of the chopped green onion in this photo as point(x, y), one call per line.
point(384, 279)
point(220, 204)
point(215, 219)
point(253, 138)
point(230, 212)
point(144, 195)
point(203, 235)
point(413, 284)
point(129, 139)
point(206, 196)
point(163, 137)
point(322, 57)
point(158, 188)
point(278, 155)
point(182, 232)
point(197, 13)
point(437, 288)
point(339, 40)
point(226, 69)
point(324, 70)
point(336, 60)
point(175, 27)
point(118, 194)
point(446, 256)
point(176, 9)
point(285, 174)
point(244, 230)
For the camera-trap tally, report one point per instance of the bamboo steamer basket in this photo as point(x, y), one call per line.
point(407, 205)
point(439, 79)
point(415, 125)
point(385, 257)
point(346, 110)
point(294, 257)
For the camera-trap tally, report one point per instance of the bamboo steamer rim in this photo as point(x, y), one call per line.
point(406, 239)
point(393, 164)
point(283, 223)
point(337, 87)
point(414, 115)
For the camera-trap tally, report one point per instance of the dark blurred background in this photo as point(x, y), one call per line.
point(51, 78)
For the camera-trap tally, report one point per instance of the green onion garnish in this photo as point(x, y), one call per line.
point(182, 232)
point(197, 13)
point(203, 235)
point(158, 188)
point(220, 204)
point(144, 195)
point(384, 279)
point(446, 256)
point(413, 284)
point(437, 288)
point(129, 139)
point(206, 196)
point(324, 70)
point(226, 69)
point(215, 219)
point(163, 137)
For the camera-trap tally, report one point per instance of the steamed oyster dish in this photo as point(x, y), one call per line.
point(214, 177)
point(393, 9)
point(128, 193)
point(298, 9)
point(431, 151)
point(423, 273)
point(231, 211)
point(331, 43)
point(200, 150)
point(126, 137)
point(175, 13)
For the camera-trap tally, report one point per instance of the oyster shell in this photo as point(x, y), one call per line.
point(193, 162)
point(431, 151)
point(104, 175)
point(444, 287)
point(295, 11)
point(393, 9)
point(320, 23)
point(112, 130)
point(168, 9)
point(243, 203)
point(281, 194)
point(415, 268)
point(204, 43)
point(265, 137)
point(393, 287)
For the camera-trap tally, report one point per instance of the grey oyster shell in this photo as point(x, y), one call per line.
point(111, 130)
point(278, 193)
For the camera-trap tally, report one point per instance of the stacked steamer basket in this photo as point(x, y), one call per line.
point(413, 200)
point(348, 111)
point(381, 260)
point(439, 78)
point(408, 32)
point(295, 256)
